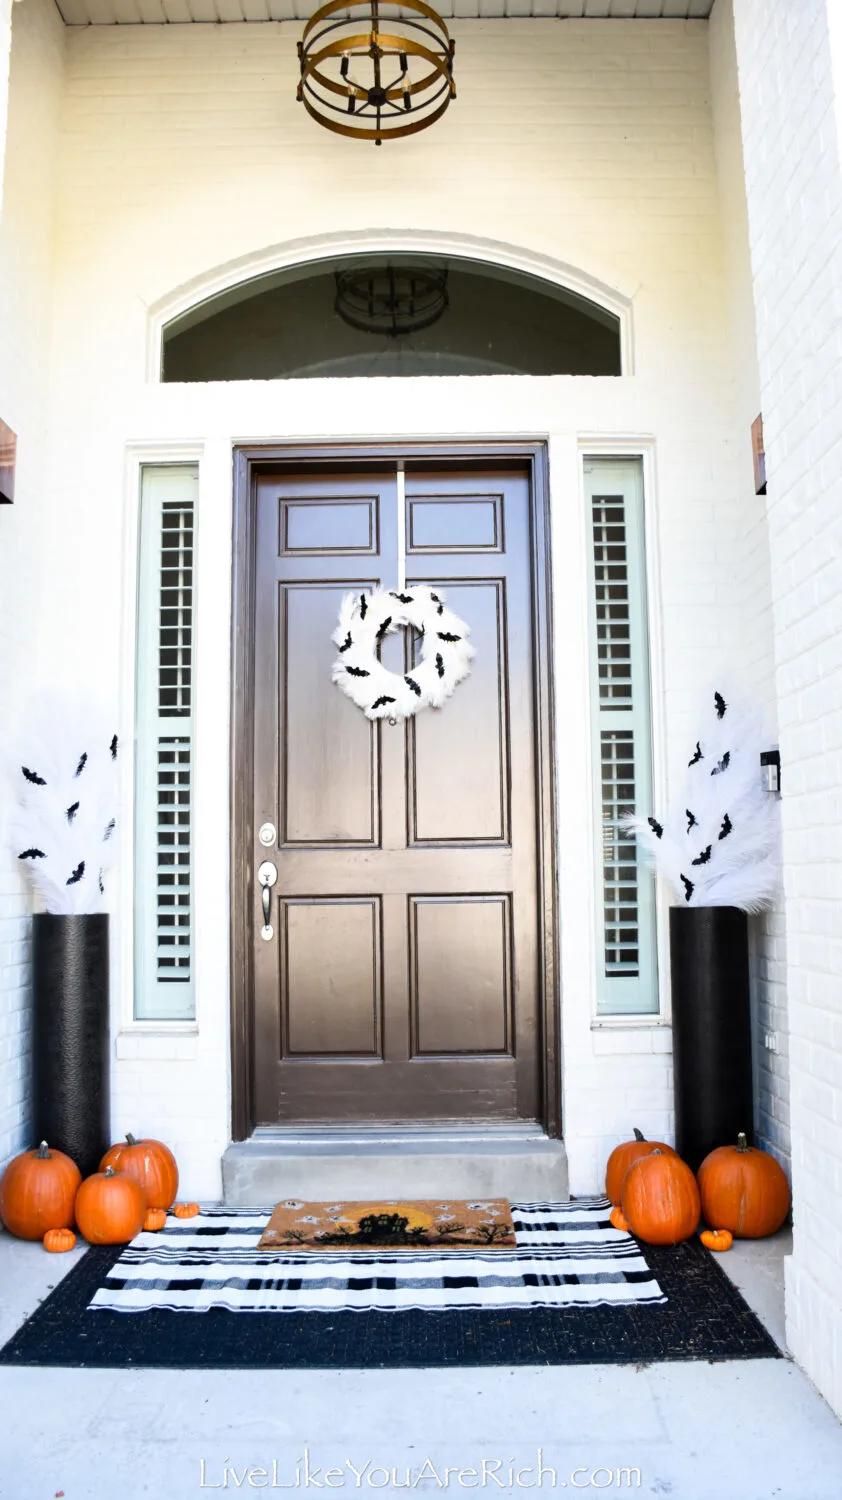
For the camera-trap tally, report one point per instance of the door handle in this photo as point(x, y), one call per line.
point(267, 875)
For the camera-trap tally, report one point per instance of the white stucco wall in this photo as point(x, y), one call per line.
point(767, 932)
point(26, 229)
point(182, 151)
point(790, 112)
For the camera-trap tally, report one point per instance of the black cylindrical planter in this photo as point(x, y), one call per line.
point(70, 1035)
point(711, 1028)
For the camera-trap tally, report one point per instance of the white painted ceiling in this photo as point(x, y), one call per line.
point(152, 12)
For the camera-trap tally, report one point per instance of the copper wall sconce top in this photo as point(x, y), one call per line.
point(370, 84)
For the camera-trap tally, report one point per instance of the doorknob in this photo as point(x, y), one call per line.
point(267, 875)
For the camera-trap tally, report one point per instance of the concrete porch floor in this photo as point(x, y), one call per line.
point(747, 1430)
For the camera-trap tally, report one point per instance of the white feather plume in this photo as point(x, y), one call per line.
point(719, 845)
point(63, 828)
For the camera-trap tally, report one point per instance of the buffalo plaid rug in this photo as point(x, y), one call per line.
point(567, 1254)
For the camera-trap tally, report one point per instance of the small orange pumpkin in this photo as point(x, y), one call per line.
point(37, 1192)
point(186, 1210)
point(110, 1208)
point(744, 1190)
point(619, 1220)
point(717, 1239)
point(624, 1156)
point(58, 1240)
point(151, 1163)
point(155, 1218)
point(661, 1199)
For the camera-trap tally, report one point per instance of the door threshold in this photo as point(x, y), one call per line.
point(318, 1164)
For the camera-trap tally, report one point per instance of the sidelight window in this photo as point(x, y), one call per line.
point(164, 746)
point(621, 714)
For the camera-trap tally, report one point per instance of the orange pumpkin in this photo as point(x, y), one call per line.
point(155, 1218)
point(619, 1220)
point(744, 1190)
point(37, 1192)
point(717, 1239)
point(151, 1163)
point(110, 1208)
point(623, 1157)
point(661, 1199)
point(186, 1210)
point(58, 1240)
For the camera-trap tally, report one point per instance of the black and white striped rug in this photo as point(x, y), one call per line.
point(567, 1255)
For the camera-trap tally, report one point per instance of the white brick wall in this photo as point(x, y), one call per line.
point(26, 228)
point(791, 114)
point(182, 150)
point(767, 932)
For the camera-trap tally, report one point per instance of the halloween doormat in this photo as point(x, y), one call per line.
point(389, 1225)
point(634, 1304)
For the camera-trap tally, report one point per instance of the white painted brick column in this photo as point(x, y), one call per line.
point(790, 107)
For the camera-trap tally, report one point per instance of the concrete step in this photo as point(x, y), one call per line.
point(435, 1162)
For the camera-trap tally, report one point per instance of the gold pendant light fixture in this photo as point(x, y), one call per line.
point(371, 84)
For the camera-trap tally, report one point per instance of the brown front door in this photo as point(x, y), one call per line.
point(401, 982)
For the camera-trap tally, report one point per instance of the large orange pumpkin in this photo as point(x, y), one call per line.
point(151, 1163)
point(661, 1199)
point(744, 1190)
point(110, 1208)
point(37, 1193)
point(622, 1157)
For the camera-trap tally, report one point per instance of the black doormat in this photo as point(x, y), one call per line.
point(704, 1318)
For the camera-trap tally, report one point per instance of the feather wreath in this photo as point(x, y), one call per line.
point(719, 844)
point(446, 653)
point(63, 829)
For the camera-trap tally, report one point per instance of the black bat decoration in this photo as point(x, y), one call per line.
point(33, 777)
point(32, 854)
point(697, 757)
point(444, 635)
point(113, 747)
point(688, 887)
point(348, 642)
point(692, 821)
point(379, 702)
point(77, 874)
point(727, 825)
point(703, 857)
point(410, 682)
point(72, 811)
point(363, 606)
point(723, 764)
point(83, 760)
point(357, 672)
point(100, 884)
point(402, 598)
point(436, 600)
point(384, 627)
point(657, 828)
point(109, 829)
point(439, 666)
point(721, 705)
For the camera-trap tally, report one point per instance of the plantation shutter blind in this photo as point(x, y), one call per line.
point(621, 717)
point(164, 916)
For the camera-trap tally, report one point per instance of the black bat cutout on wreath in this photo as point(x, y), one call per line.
point(436, 600)
point(697, 757)
point(440, 665)
point(384, 627)
point(72, 811)
point(113, 747)
point(721, 705)
point(83, 761)
point(32, 854)
point(688, 887)
point(727, 825)
point(33, 777)
point(77, 874)
point(703, 857)
point(348, 643)
point(402, 598)
point(379, 702)
point(363, 606)
point(692, 820)
point(723, 764)
point(357, 672)
point(444, 635)
point(410, 682)
point(109, 829)
point(657, 828)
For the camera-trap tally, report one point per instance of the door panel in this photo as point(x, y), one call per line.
point(401, 982)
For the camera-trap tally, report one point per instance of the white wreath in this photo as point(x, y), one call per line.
point(446, 654)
